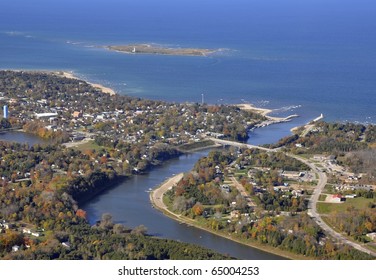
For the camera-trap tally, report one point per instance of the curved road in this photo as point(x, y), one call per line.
point(156, 196)
point(312, 212)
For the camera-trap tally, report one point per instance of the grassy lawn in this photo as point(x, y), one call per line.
point(167, 202)
point(91, 145)
point(322, 197)
point(306, 156)
point(358, 203)
point(371, 246)
point(329, 189)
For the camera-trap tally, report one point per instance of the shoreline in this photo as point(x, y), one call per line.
point(156, 196)
point(250, 107)
point(156, 199)
point(70, 75)
point(308, 126)
point(201, 148)
point(156, 49)
point(265, 112)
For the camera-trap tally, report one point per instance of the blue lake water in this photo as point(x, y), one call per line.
point(299, 57)
point(304, 57)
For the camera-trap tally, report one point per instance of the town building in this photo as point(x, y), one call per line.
point(5, 112)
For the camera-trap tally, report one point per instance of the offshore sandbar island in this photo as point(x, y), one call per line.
point(160, 50)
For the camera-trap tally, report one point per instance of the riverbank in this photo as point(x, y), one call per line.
point(198, 146)
point(307, 127)
point(156, 198)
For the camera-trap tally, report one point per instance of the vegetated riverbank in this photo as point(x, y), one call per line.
point(156, 198)
point(94, 182)
point(197, 146)
point(59, 213)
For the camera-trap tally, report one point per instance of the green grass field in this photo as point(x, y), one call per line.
point(91, 145)
point(329, 189)
point(358, 203)
point(322, 197)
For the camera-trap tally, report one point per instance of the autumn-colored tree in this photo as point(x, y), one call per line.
point(81, 213)
point(179, 190)
point(103, 160)
point(9, 239)
point(198, 209)
point(329, 247)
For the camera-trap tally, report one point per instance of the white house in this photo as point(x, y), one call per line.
point(371, 235)
point(15, 248)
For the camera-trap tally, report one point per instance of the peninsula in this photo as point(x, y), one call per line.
point(158, 49)
point(266, 113)
point(305, 197)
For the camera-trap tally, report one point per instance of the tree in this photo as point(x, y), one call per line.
point(106, 221)
point(198, 209)
point(4, 124)
point(81, 213)
point(179, 204)
point(139, 230)
point(119, 228)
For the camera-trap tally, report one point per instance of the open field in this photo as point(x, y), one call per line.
point(89, 145)
point(358, 203)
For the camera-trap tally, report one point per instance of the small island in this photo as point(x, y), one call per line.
point(158, 49)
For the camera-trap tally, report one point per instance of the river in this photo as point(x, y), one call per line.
point(129, 204)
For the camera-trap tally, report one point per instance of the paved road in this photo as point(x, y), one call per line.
point(243, 192)
point(312, 212)
point(312, 209)
point(157, 194)
point(239, 145)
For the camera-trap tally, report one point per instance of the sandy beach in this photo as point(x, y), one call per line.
point(265, 112)
point(104, 89)
point(250, 107)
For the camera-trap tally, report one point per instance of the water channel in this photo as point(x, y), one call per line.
point(129, 204)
